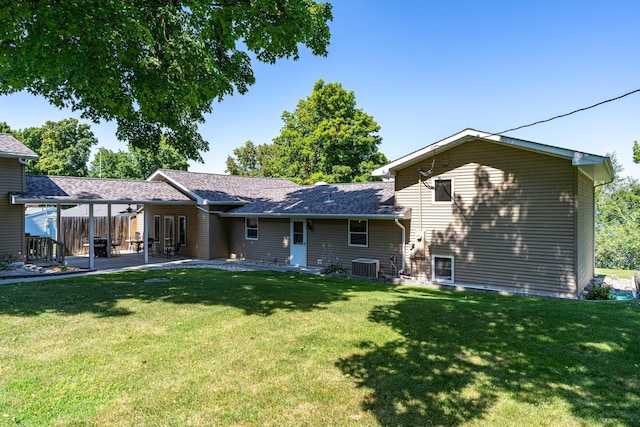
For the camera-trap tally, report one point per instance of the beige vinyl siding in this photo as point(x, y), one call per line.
point(218, 237)
point(11, 216)
point(195, 227)
point(328, 242)
point(272, 244)
point(585, 232)
point(512, 223)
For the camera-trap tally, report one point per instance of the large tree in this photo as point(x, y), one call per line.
point(153, 67)
point(326, 138)
point(64, 147)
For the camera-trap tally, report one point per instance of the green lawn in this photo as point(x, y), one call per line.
point(623, 274)
point(213, 347)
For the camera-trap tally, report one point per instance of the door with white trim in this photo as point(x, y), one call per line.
point(298, 242)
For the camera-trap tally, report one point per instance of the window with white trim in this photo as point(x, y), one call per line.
point(182, 230)
point(358, 232)
point(251, 228)
point(442, 190)
point(442, 268)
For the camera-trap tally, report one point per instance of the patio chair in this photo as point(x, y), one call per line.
point(85, 245)
point(115, 246)
point(173, 250)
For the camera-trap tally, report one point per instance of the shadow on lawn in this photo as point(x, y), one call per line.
point(258, 293)
point(458, 354)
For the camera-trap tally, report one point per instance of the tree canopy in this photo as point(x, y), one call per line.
point(618, 221)
point(64, 147)
point(136, 163)
point(153, 67)
point(326, 139)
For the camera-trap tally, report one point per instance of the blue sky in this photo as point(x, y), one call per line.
point(426, 70)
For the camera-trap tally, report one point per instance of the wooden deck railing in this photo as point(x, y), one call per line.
point(44, 249)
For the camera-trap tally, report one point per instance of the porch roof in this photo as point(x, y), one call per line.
point(41, 189)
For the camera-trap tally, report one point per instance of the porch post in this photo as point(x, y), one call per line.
point(146, 233)
point(91, 232)
point(108, 248)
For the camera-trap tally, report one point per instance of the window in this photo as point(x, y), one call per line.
point(182, 230)
point(443, 190)
point(442, 268)
point(156, 228)
point(251, 228)
point(298, 233)
point(358, 232)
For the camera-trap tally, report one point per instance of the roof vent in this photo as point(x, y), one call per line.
point(329, 199)
point(320, 183)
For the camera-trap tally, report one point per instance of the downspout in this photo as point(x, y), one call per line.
point(403, 244)
point(23, 161)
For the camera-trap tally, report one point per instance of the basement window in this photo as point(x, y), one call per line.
point(442, 268)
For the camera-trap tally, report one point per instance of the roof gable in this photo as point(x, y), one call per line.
point(599, 168)
point(11, 147)
point(217, 189)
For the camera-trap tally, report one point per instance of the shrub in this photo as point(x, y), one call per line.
point(334, 268)
point(597, 291)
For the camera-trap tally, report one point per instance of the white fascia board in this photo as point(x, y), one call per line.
point(577, 158)
point(389, 169)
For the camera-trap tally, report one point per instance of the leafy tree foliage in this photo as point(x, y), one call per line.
point(326, 139)
point(618, 222)
point(153, 67)
point(165, 156)
point(136, 163)
point(251, 160)
point(64, 147)
point(113, 164)
point(636, 152)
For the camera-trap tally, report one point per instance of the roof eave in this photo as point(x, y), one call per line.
point(20, 156)
point(16, 199)
point(405, 215)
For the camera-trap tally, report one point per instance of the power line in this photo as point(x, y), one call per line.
point(565, 115)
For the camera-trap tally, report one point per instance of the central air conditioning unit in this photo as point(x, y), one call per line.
point(365, 267)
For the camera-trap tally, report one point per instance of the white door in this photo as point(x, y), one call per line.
point(298, 239)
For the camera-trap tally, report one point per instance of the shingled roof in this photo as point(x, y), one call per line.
point(72, 190)
point(11, 147)
point(215, 189)
point(370, 200)
point(265, 197)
